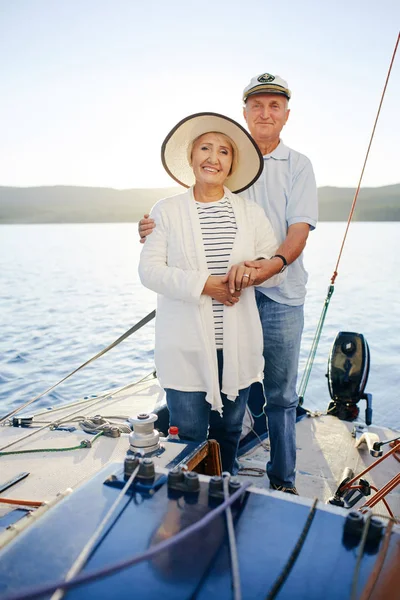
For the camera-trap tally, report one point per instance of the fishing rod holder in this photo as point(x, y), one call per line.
point(348, 370)
point(144, 438)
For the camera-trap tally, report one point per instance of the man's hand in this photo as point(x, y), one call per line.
point(240, 276)
point(217, 288)
point(145, 227)
point(264, 268)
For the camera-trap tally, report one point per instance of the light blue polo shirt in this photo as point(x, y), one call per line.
point(287, 192)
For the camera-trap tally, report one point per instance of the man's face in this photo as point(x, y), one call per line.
point(265, 115)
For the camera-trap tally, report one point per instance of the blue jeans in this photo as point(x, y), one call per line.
point(282, 328)
point(192, 414)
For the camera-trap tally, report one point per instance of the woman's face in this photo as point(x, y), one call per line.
point(212, 157)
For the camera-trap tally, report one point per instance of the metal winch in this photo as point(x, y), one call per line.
point(144, 438)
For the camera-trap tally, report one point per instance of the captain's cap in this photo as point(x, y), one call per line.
point(266, 84)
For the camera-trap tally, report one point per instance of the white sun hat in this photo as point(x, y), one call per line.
point(248, 161)
point(267, 84)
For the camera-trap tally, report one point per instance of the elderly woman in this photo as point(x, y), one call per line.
point(209, 344)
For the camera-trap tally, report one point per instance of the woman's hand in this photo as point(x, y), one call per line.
point(217, 288)
point(145, 227)
point(240, 277)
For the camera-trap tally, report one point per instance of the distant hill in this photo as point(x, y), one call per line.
point(69, 204)
point(373, 204)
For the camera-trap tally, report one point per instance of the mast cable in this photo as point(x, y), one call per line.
point(138, 325)
point(331, 289)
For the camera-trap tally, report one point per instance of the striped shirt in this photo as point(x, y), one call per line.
point(218, 228)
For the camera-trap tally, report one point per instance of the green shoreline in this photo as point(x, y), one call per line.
point(72, 204)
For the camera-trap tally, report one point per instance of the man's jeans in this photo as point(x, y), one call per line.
point(190, 412)
point(282, 327)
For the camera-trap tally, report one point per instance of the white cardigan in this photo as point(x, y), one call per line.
point(173, 264)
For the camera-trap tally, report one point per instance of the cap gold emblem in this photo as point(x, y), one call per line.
point(266, 78)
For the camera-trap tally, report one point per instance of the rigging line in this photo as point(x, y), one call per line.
point(86, 551)
point(108, 570)
point(82, 445)
point(365, 162)
point(138, 325)
point(237, 592)
point(360, 555)
point(314, 346)
point(294, 554)
point(366, 593)
point(95, 401)
point(103, 396)
point(313, 350)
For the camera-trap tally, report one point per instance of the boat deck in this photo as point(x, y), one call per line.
point(325, 448)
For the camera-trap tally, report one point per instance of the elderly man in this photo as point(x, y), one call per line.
point(287, 192)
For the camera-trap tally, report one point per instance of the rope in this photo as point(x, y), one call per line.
point(237, 594)
point(99, 397)
point(313, 350)
point(124, 564)
point(138, 325)
point(83, 444)
point(251, 472)
point(335, 273)
point(68, 416)
point(380, 560)
point(294, 554)
point(359, 557)
point(90, 425)
point(88, 548)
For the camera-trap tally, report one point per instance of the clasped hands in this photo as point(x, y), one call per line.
point(227, 288)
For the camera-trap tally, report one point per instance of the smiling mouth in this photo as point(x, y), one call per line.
point(211, 170)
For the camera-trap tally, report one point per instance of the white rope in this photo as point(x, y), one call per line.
point(86, 551)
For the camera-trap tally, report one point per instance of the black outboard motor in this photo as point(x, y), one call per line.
point(348, 369)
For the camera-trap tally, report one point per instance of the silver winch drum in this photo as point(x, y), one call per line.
point(144, 438)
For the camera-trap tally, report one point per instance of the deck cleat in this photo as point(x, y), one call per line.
point(130, 464)
point(146, 469)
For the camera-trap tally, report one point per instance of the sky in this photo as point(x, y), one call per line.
point(90, 88)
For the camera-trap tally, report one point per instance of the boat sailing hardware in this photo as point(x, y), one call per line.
point(144, 438)
point(344, 493)
point(354, 528)
point(22, 421)
point(348, 370)
point(12, 481)
point(370, 439)
point(378, 445)
point(98, 423)
point(146, 482)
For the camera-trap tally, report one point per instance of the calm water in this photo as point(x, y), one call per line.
point(67, 291)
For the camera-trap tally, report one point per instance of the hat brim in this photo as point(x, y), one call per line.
point(175, 146)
